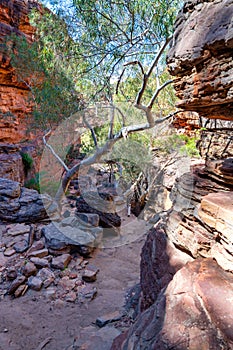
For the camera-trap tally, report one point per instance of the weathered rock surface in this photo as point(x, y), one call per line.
point(201, 57)
point(194, 312)
point(19, 204)
point(159, 262)
point(14, 95)
point(187, 307)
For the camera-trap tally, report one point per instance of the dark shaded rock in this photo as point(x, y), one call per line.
point(159, 262)
point(11, 163)
point(92, 219)
point(100, 204)
point(19, 204)
point(39, 262)
point(190, 310)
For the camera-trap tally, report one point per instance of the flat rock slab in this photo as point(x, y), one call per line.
point(59, 237)
point(108, 318)
point(61, 262)
point(18, 229)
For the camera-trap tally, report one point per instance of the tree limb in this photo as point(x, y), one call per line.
point(53, 152)
point(88, 125)
point(160, 88)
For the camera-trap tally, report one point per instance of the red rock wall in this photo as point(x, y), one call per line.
point(15, 105)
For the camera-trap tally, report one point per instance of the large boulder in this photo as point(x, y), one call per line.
point(73, 233)
point(194, 312)
point(20, 204)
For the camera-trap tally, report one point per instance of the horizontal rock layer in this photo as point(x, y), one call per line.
point(201, 57)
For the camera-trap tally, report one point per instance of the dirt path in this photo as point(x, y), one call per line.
point(33, 322)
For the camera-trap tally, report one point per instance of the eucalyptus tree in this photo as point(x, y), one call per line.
point(91, 48)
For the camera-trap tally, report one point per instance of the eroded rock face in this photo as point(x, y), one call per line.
point(194, 312)
point(201, 57)
point(11, 163)
point(15, 106)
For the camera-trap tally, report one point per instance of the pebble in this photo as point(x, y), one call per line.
point(3, 259)
point(35, 283)
point(108, 318)
point(29, 269)
point(90, 273)
point(61, 262)
point(11, 273)
point(71, 297)
point(16, 283)
point(38, 245)
point(21, 290)
point(20, 247)
point(9, 252)
point(39, 253)
point(18, 229)
point(40, 262)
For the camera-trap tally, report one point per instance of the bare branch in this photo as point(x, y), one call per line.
point(111, 123)
point(158, 90)
point(133, 63)
point(119, 80)
point(53, 152)
point(157, 58)
point(88, 125)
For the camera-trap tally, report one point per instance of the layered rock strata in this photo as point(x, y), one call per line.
point(15, 105)
point(201, 58)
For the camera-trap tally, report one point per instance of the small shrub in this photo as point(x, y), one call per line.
point(27, 161)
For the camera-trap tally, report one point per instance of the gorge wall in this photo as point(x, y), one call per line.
point(187, 259)
point(15, 105)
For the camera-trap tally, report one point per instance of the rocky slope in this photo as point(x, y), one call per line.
point(187, 259)
point(14, 94)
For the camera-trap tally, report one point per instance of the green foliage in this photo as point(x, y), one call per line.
point(27, 161)
point(108, 34)
point(180, 143)
point(50, 78)
point(33, 183)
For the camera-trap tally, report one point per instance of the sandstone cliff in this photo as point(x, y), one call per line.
point(15, 105)
point(187, 259)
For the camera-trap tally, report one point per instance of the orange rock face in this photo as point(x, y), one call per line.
point(15, 105)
